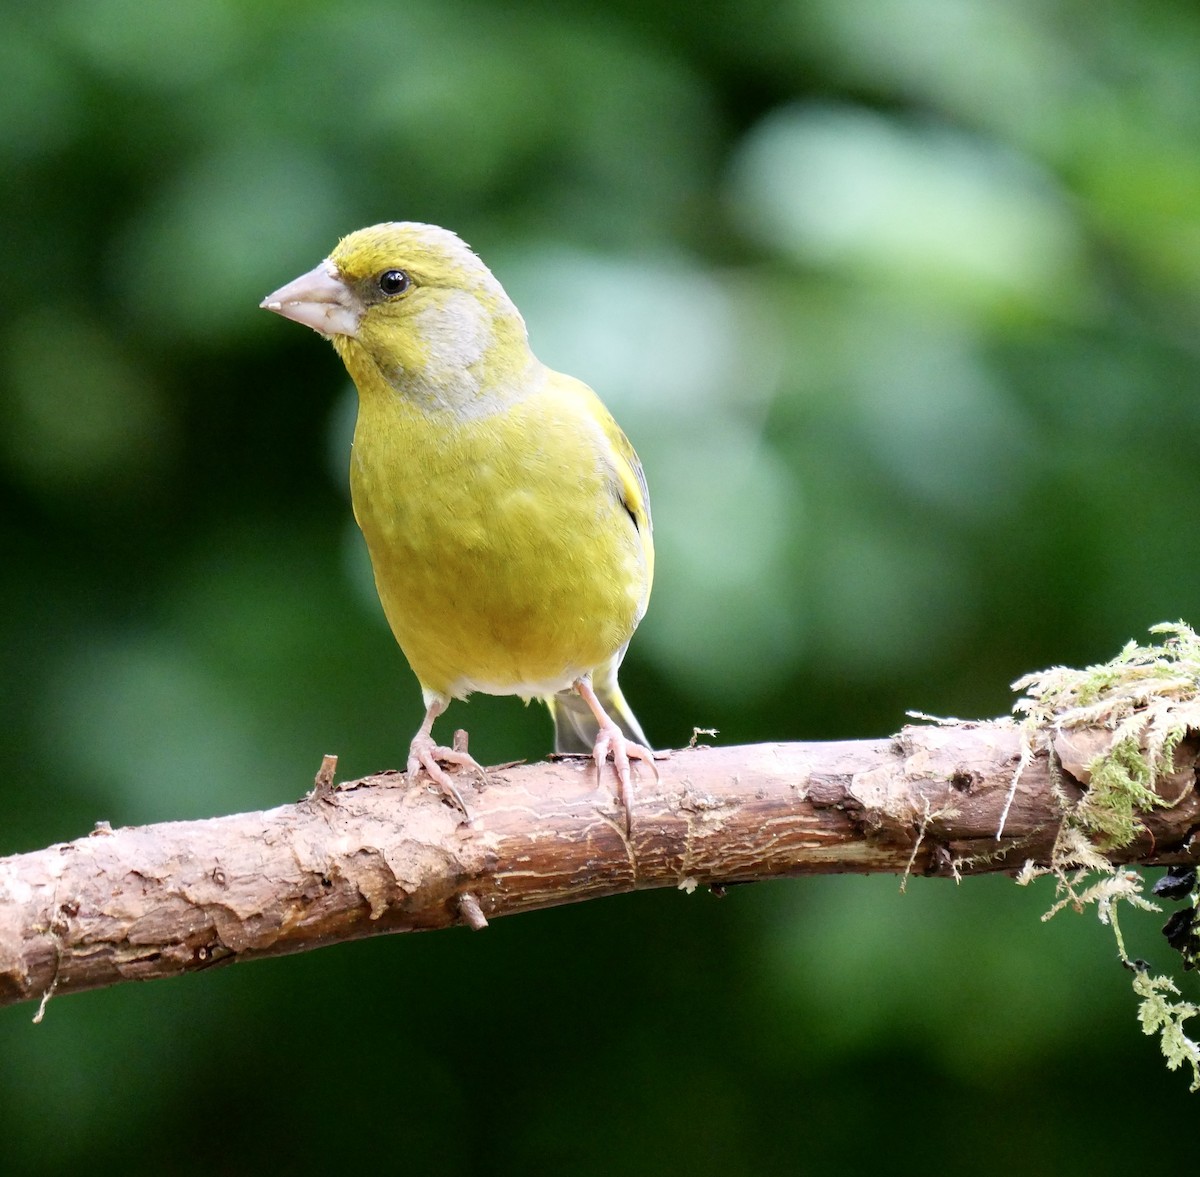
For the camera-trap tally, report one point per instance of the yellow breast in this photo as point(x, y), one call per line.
point(504, 555)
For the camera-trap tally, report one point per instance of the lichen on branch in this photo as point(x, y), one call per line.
point(1115, 728)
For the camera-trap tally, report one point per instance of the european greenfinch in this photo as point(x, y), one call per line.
point(505, 512)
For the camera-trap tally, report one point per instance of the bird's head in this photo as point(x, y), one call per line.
point(412, 305)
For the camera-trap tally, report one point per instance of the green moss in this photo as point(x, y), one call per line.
point(1160, 1013)
point(1122, 782)
point(1147, 697)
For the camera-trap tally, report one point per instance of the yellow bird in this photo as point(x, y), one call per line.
point(505, 512)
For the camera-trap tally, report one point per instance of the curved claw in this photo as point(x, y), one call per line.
point(423, 753)
point(611, 741)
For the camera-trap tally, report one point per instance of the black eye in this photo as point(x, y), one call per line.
point(394, 282)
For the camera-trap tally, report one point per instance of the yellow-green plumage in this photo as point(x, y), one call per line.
point(504, 510)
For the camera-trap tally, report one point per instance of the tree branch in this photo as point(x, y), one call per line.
point(373, 856)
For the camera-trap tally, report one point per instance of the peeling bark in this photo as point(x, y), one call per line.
point(372, 856)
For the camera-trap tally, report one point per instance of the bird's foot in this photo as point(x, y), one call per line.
point(424, 753)
point(611, 741)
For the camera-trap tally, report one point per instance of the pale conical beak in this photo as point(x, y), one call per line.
point(320, 300)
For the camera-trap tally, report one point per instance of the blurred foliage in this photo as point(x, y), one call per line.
point(897, 300)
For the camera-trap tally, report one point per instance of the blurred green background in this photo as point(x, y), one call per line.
point(898, 302)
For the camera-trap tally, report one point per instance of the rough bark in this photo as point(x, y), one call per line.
point(374, 856)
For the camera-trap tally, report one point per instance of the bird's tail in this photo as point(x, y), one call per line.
point(575, 727)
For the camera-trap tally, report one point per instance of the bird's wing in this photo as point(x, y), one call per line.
point(631, 478)
point(632, 489)
point(628, 476)
point(635, 494)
